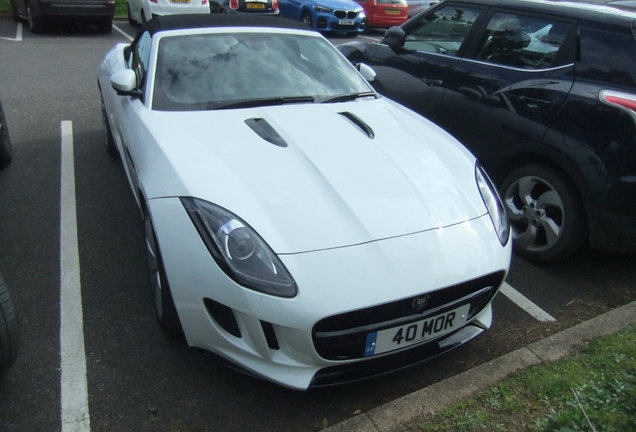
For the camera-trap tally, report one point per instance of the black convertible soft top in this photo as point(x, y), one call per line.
point(190, 21)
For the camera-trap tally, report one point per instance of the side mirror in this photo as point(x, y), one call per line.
point(125, 83)
point(394, 37)
point(367, 72)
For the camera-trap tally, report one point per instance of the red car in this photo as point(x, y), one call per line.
point(384, 13)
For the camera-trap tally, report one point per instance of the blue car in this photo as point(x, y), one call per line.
point(326, 15)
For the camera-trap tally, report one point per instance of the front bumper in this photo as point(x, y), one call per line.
point(324, 21)
point(274, 337)
point(163, 8)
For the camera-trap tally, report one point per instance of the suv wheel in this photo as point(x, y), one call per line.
point(546, 213)
point(36, 25)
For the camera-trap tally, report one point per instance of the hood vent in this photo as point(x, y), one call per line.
point(356, 121)
point(265, 131)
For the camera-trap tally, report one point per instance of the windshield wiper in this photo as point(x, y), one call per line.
point(251, 103)
point(348, 97)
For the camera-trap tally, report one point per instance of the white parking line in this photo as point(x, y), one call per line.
point(371, 38)
point(18, 34)
point(525, 304)
point(74, 400)
point(123, 33)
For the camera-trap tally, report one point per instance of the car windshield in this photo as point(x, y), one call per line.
point(247, 69)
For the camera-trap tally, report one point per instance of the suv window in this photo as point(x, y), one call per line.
point(443, 31)
point(522, 42)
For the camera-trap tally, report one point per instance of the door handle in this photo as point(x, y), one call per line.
point(432, 82)
point(535, 103)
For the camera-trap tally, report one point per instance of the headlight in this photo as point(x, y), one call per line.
point(239, 251)
point(321, 9)
point(493, 204)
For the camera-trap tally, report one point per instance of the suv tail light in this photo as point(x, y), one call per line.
point(233, 4)
point(624, 101)
point(275, 4)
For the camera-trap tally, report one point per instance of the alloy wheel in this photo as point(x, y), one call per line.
point(536, 212)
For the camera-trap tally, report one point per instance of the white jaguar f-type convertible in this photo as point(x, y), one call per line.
point(298, 225)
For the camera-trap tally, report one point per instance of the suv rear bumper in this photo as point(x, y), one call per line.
point(75, 8)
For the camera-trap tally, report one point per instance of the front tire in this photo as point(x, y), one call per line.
point(9, 328)
point(545, 212)
point(131, 20)
point(6, 151)
point(164, 304)
point(306, 19)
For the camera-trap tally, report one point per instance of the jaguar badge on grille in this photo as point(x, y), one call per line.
point(419, 303)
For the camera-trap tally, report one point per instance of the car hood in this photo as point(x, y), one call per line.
point(326, 183)
point(338, 4)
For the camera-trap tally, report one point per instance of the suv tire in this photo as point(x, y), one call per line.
point(546, 214)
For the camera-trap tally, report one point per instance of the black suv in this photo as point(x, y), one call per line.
point(37, 13)
point(544, 94)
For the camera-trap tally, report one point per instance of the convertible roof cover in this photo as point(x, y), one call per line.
point(192, 21)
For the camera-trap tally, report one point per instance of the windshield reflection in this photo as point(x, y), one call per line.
point(199, 71)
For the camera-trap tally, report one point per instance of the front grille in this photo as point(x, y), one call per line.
point(344, 336)
point(373, 366)
point(338, 27)
point(343, 14)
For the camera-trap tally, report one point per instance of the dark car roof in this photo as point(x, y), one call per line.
point(192, 21)
point(590, 10)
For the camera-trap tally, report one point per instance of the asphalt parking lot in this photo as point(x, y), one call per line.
point(136, 378)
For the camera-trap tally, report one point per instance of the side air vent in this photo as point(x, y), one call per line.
point(223, 315)
point(270, 335)
point(265, 131)
point(356, 121)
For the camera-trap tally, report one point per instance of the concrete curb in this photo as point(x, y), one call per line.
point(393, 416)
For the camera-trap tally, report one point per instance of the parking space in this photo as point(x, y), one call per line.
point(136, 378)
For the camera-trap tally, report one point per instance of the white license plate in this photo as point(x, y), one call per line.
point(419, 331)
point(347, 22)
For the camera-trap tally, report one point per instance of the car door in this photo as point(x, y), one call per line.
point(131, 108)
point(513, 80)
point(415, 74)
point(290, 8)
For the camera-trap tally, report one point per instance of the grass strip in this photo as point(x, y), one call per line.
point(595, 390)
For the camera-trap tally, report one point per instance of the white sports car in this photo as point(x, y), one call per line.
point(140, 11)
point(298, 225)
